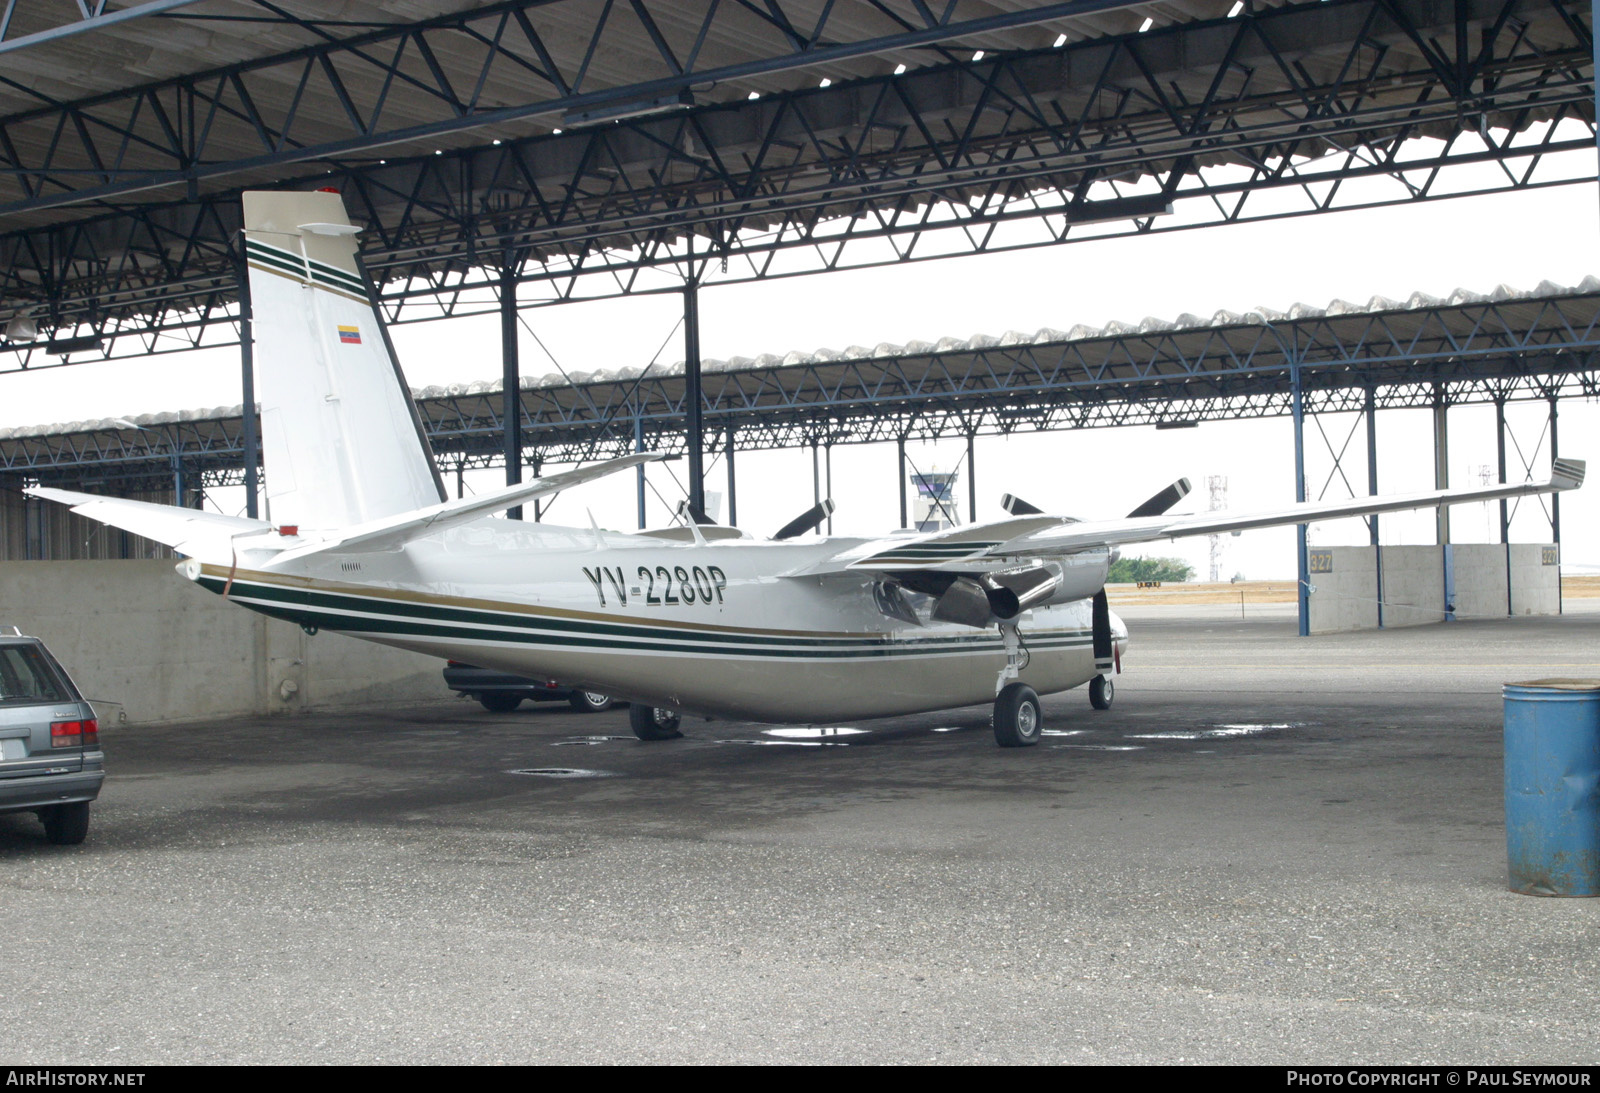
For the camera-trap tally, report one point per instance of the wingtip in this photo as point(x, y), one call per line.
point(1567, 474)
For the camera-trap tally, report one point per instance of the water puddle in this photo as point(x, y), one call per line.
point(1102, 747)
point(1062, 732)
point(791, 743)
point(562, 772)
point(585, 741)
point(813, 732)
point(1219, 732)
point(949, 728)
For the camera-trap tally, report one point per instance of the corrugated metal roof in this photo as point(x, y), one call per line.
point(1417, 301)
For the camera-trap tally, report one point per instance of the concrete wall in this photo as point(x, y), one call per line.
point(136, 633)
point(1346, 592)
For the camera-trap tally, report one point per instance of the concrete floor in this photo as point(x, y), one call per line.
point(1270, 850)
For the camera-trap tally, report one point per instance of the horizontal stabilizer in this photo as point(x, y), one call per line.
point(199, 534)
point(394, 532)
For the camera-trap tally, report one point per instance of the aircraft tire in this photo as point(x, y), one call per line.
point(495, 702)
point(589, 701)
point(1101, 692)
point(652, 723)
point(66, 825)
point(1018, 722)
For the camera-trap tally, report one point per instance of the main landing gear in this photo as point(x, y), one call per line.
point(653, 723)
point(1017, 720)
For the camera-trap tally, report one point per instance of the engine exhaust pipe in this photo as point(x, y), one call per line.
point(1013, 592)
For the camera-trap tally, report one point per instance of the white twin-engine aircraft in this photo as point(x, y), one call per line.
point(697, 619)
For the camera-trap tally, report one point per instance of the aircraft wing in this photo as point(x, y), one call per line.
point(1567, 474)
point(393, 532)
point(981, 547)
point(188, 531)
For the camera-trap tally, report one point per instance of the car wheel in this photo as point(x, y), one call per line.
point(589, 701)
point(495, 702)
point(66, 825)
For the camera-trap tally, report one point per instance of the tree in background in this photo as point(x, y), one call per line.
point(1133, 570)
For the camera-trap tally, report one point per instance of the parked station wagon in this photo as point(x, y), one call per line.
point(50, 758)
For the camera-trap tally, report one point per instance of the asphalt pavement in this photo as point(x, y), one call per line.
point(1269, 850)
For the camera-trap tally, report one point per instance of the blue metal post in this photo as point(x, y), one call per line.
point(1555, 505)
point(1441, 481)
point(1302, 556)
point(1505, 514)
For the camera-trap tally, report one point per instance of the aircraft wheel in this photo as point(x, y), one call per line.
point(499, 703)
point(589, 701)
point(1101, 692)
point(1017, 720)
point(652, 723)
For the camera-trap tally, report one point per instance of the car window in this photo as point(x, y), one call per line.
point(25, 677)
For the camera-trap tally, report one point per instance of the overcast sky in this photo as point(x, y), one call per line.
point(1475, 243)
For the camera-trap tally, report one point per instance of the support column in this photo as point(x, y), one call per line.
point(177, 479)
point(538, 465)
point(1302, 556)
point(461, 481)
point(1555, 498)
point(827, 461)
point(638, 472)
point(972, 481)
point(733, 508)
point(1441, 481)
point(900, 450)
point(511, 383)
point(1372, 490)
point(1441, 462)
point(247, 396)
point(1505, 510)
point(693, 425)
point(816, 475)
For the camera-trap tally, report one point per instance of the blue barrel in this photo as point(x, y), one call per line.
point(1552, 741)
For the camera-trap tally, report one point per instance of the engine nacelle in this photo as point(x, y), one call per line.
point(1003, 596)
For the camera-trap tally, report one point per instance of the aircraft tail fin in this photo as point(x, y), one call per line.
point(342, 440)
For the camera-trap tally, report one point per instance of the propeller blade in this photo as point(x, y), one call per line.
point(1100, 628)
point(1162, 501)
point(1016, 506)
point(806, 520)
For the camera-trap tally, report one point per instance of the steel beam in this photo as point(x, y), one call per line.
point(1372, 491)
point(510, 385)
point(247, 400)
point(693, 400)
point(1210, 114)
point(1302, 555)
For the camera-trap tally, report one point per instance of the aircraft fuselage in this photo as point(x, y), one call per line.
point(706, 628)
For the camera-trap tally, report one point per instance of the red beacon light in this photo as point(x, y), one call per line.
point(289, 529)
